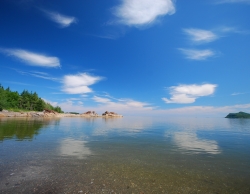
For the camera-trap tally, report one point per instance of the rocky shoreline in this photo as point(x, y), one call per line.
point(49, 113)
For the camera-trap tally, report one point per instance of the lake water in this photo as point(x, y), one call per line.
point(125, 155)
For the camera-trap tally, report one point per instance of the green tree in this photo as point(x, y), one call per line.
point(40, 105)
point(26, 100)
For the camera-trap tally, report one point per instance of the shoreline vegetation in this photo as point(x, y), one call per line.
point(50, 113)
point(26, 101)
point(28, 104)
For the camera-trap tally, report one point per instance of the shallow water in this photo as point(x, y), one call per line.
point(125, 155)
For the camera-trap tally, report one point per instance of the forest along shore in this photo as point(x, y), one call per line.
point(51, 113)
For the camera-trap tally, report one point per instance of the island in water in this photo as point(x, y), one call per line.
point(238, 115)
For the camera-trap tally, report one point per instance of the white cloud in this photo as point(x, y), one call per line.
point(32, 58)
point(125, 107)
point(50, 102)
point(184, 94)
point(180, 98)
point(70, 106)
point(84, 95)
point(141, 12)
point(196, 54)
point(62, 20)
point(80, 103)
point(186, 111)
point(128, 103)
point(79, 84)
point(101, 99)
point(121, 106)
point(232, 1)
point(200, 36)
point(77, 89)
point(136, 104)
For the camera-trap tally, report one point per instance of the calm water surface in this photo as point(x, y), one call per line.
point(125, 155)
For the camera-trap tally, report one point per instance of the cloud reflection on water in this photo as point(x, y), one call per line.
point(121, 125)
point(75, 148)
point(181, 131)
point(190, 142)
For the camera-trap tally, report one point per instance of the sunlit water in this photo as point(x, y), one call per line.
point(125, 155)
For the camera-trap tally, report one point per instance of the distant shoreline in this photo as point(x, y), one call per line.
point(45, 114)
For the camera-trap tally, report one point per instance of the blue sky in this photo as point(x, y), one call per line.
point(129, 56)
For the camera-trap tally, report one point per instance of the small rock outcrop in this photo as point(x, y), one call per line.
point(111, 114)
point(90, 114)
point(49, 111)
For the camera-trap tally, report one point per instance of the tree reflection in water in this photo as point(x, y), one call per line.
point(21, 129)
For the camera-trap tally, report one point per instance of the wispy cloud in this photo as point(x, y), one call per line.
point(232, 1)
point(102, 104)
point(48, 77)
point(31, 58)
point(196, 54)
point(200, 36)
point(38, 75)
point(122, 102)
point(18, 83)
point(123, 105)
point(238, 93)
point(72, 84)
point(74, 102)
point(50, 102)
point(187, 111)
point(101, 100)
point(109, 36)
point(184, 94)
point(62, 20)
point(79, 83)
point(213, 111)
point(142, 12)
point(225, 30)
